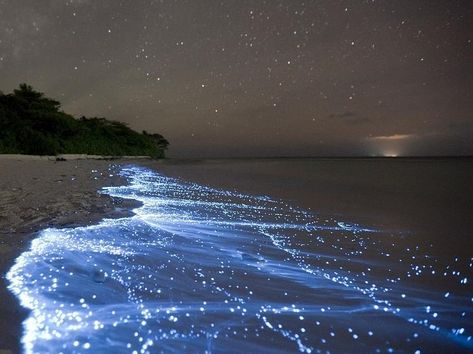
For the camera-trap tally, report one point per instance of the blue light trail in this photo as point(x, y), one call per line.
point(198, 269)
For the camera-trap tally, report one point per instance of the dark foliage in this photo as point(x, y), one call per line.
point(31, 123)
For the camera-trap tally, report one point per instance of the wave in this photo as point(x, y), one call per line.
point(197, 269)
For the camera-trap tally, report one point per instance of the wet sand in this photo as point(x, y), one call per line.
point(36, 194)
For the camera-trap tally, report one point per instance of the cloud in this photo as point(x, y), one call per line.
point(347, 114)
point(394, 137)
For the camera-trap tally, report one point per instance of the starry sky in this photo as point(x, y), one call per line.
point(255, 78)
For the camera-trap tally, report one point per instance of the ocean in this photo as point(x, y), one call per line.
point(274, 255)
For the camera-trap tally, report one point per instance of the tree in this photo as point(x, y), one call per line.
point(158, 139)
point(31, 123)
point(35, 98)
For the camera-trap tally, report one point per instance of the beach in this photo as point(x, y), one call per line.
point(285, 227)
point(39, 193)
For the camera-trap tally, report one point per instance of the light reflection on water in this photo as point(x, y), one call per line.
point(198, 269)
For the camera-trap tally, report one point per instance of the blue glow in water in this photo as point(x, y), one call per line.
point(202, 270)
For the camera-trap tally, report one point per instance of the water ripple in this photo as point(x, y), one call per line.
point(203, 270)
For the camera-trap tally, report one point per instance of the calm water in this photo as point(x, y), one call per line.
point(199, 269)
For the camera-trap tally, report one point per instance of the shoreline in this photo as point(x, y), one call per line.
point(36, 194)
point(69, 157)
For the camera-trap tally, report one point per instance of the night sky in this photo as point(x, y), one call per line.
point(255, 78)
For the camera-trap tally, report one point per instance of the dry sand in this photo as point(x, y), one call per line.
point(39, 193)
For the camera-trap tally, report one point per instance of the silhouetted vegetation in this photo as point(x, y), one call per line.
point(31, 123)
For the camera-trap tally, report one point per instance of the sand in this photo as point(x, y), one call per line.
point(38, 193)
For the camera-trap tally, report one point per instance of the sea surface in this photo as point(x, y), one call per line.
point(212, 269)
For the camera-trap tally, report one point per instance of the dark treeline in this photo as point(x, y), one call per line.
point(31, 123)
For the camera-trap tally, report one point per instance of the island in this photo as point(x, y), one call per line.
point(33, 124)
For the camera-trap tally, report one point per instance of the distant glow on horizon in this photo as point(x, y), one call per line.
point(394, 137)
point(394, 145)
point(386, 153)
point(200, 269)
point(390, 154)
